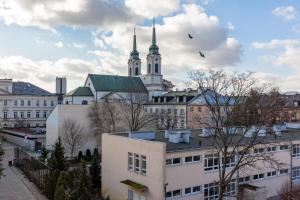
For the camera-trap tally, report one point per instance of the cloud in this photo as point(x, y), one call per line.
point(47, 14)
point(43, 72)
point(206, 2)
point(59, 44)
point(287, 13)
point(230, 26)
point(275, 43)
point(78, 45)
point(150, 9)
point(173, 42)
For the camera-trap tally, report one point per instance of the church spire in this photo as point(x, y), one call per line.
point(153, 49)
point(134, 53)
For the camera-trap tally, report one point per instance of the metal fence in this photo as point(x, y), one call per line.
point(35, 170)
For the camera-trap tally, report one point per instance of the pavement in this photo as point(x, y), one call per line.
point(14, 186)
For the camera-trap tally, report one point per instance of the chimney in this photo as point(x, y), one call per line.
point(61, 85)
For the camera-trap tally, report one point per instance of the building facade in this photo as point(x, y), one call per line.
point(152, 166)
point(24, 104)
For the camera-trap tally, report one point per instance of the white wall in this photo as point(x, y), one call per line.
point(79, 113)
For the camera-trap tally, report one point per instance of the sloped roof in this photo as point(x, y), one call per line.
point(117, 83)
point(25, 88)
point(80, 91)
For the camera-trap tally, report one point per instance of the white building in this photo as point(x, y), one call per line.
point(23, 104)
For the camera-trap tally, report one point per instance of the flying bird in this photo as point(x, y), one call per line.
point(190, 36)
point(201, 54)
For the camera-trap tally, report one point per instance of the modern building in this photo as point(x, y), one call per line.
point(182, 165)
point(23, 104)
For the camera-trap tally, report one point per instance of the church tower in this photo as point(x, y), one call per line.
point(134, 62)
point(153, 57)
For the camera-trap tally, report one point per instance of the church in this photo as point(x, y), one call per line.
point(100, 87)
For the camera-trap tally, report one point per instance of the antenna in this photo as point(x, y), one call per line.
point(153, 21)
point(134, 30)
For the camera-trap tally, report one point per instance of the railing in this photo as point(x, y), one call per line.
point(33, 169)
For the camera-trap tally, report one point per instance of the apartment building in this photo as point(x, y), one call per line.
point(24, 104)
point(182, 165)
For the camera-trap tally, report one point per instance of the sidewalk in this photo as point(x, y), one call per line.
point(14, 186)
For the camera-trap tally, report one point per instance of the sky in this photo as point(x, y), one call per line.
point(40, 40)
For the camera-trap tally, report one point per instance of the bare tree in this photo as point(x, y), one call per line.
point(134, 114)
point(72, 135)
point(168, 120)
point(239, 110)
point(289, 193)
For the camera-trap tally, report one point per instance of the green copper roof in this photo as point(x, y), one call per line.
point(117, 83)
point(80, 91)
point(153, 49)
point(134, 54)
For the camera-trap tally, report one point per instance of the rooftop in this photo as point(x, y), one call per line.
point(25, 88)
point(80, 91)
point(117, 83)
point(206, 142)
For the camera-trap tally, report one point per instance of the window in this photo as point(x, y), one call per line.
point(136, 163)
point(284, 147)
point(296, 173)
point(229, 160)
point(22, 115)
point(45, 103)
point(84, 102)
point(191, 108)
point(130, 161)
point(283, 171)
point(174, 193)
point(28, 103)
point(211, 162)
point(199, 109)
point(244, 179)
point(182, 111)
point(5, 115)
point(45, 114)
point(37, 103)
point(258, 176)
point(296, 150)
point(270, 174)
point(271, 149)
point(144, 165)
point(211, 191)
point(258, 150)
point(136, 71)
point(230, 191)
point(5, 102)
point(28, 114)
point(15, 115)
point(149, 68)
point(173, 161)
point(190, 159)
point(22, 102)
point(15, 102)
point(37, 114)
point(52, 103)
point(156, 68)
point(192, 190)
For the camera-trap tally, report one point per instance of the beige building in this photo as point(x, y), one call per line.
point(24, 105)
point(176, 165)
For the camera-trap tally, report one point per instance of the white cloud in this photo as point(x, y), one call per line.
point(206, 2)
point(59, 44)
point(78, 45)
point(43, 72)
point(275, 43)
point(150, 9)
point(285, 12)
point(47, 14)
point(230, 26)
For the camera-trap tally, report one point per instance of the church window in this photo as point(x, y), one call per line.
point(149, 68)
point(136, 71)
point(156, 68)
point(129, 71)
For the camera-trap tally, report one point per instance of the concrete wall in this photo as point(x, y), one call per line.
point(115, 167)
point(79, 113)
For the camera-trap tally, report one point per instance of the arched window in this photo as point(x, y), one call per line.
point(136, 71)
point(149, 68)
point(156, 68)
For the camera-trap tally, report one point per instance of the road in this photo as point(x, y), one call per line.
point(13, 186)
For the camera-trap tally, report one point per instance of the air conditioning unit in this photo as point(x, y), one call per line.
point(179, 136)
point(293, 125)
point(206, 132)
point(145, 135)
point(262, 131)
